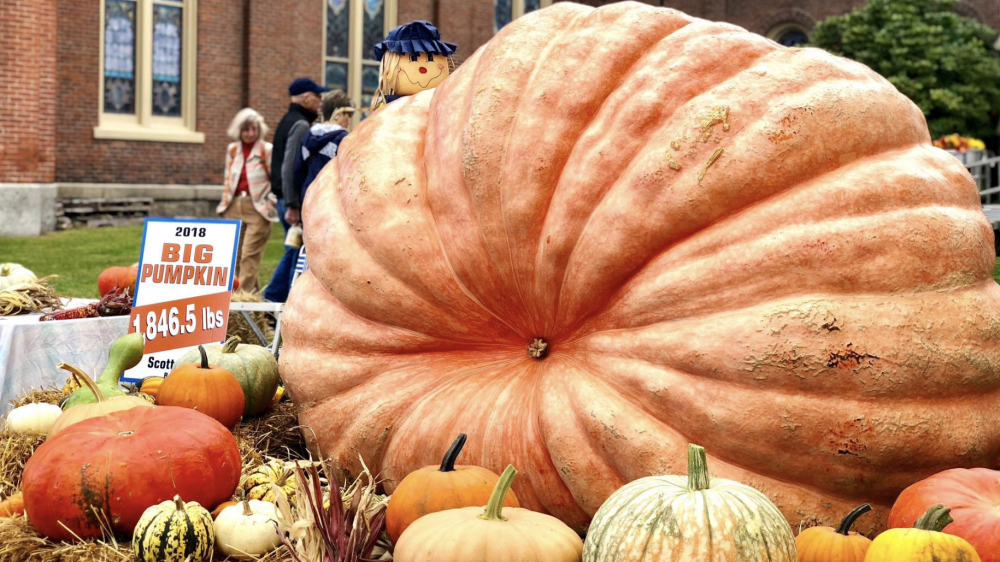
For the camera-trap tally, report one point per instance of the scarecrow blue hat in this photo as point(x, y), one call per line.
point(415, 37)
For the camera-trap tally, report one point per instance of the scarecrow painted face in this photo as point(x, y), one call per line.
point(420, 72)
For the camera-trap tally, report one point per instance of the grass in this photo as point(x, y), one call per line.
point(79, 256)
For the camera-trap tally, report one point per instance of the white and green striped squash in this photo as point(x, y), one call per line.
point(253, 366)
point(174, 531)
point(678, 518)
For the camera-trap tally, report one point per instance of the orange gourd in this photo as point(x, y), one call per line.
point(151, 386)
point(615, 231)
point(221, 506)
point(209, 389)
point(13, 505)
point(437, 488)
point(826, 544)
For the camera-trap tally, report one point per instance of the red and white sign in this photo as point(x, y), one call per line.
point(183, 290)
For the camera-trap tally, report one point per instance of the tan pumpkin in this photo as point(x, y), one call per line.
point(258, 484)
point(33, 419)
point(102, 407)
point(14, 274)
point(615, 231)
point(488, 534)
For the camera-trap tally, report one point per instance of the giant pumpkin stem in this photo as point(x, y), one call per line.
point(698, 478)
point(538, 349)
point(845, 525)
point(448, 464)
point(230, 345)
point(936, 519)
point(204, 357)
point(494, 509)
point(85, 379)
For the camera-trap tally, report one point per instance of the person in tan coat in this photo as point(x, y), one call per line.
point(247, 193)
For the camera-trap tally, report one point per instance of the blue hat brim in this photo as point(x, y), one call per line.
point(414, 46)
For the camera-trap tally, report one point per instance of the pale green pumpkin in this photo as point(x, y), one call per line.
point(688, 518)
point(252, 365)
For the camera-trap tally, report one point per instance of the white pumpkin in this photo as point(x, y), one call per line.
point(33, 419)
point(247, 530)
point(14, 273)
point(687, 518)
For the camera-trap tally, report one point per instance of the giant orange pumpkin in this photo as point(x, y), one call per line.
point(616, 231)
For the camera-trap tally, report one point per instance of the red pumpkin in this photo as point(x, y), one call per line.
point(614, 231)
point(974, 498)
point(118, 278)
point(122, 464)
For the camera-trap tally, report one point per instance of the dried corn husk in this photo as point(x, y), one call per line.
point(35, 296)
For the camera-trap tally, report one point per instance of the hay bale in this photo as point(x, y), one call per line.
point(15, 450)
point(47, 395)
point(275, 433)
point(238, 325)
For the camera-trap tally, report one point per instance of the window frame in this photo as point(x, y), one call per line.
point(517, 10)
point(779, 30)
point(355, 58)
point(143, 125)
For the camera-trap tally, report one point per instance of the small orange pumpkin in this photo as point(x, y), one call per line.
point(221, 506)
point(151, 386)
point(13, 505)
point(209, 389)
point(437, 488)
point(826, 544)
point(118, 278)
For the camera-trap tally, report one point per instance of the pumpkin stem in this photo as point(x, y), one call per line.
point(204, 357)
point(230, 345)
point(538, 349)
point(4, 270)
point(448, 464)
point(178, 503)
point(284, 477)
point(845, 525)
point(86, 380)
point(936, 519)
point(494, 509)
point(698, 478)
point(246, 507)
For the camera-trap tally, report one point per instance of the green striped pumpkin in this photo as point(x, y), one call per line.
point(174, 531)
point(254, 366)
point(677, 518)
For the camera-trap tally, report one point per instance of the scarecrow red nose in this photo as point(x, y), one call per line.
point(423, 70)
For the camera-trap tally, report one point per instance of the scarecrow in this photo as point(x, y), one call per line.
point(412, 59)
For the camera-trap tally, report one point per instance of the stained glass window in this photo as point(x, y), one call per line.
point(338, 24)
point(369, 83)
point(503, 13)
point(167, 37)
point(119, 56)
point(374, 27)
point(336, 75)
point(532, 5)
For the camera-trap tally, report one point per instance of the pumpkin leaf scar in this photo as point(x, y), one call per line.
point(711, 160)
point(718, 114)
point(670, 162)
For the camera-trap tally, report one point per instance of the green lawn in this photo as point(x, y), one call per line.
point(78, 256)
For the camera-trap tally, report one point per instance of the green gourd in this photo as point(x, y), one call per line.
point(125, 353)
point(253, 366)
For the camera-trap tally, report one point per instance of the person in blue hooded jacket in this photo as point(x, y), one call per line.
point(321, 143)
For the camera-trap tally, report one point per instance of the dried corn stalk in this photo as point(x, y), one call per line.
point(35, 296)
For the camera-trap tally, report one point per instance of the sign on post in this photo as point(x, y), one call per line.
point(183, 289)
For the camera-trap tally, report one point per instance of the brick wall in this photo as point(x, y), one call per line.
point(82, 158)
point(27, 91)
point(285, 43)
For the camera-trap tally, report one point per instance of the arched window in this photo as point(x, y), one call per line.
point(506, 11)
point(353, 27)
point(789, 34)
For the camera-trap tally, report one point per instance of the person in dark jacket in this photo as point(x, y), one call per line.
point(322, 141)
point(304, 108)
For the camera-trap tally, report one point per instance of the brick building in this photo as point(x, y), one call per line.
point(126, 98)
